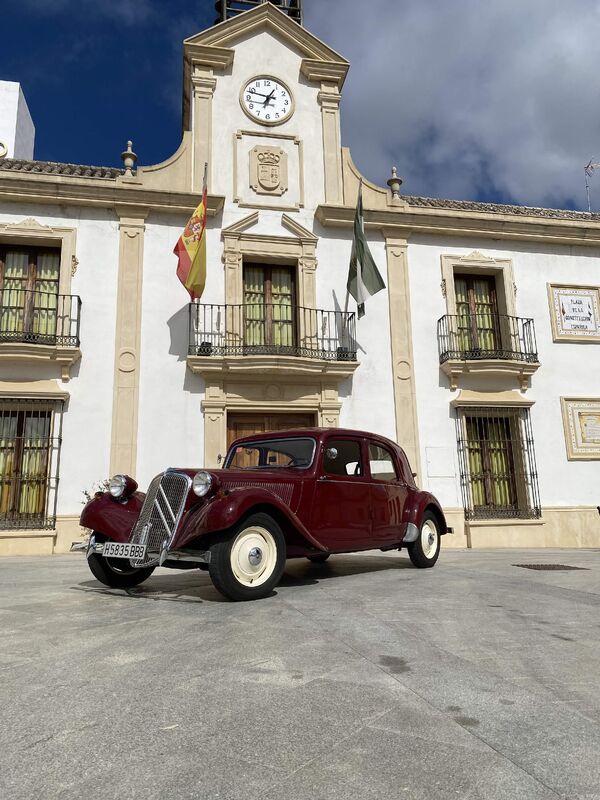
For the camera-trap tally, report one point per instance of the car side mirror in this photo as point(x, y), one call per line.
point(331, 453)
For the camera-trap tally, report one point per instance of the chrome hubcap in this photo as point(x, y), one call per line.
point(429, 539)
point(255, 556)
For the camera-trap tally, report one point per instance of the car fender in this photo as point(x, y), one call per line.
point(113, 518)
point(418, 502)
point(225, 509)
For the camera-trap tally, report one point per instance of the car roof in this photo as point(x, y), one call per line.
point(315, 433)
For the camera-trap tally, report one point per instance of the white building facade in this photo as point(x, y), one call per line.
point(105, 367)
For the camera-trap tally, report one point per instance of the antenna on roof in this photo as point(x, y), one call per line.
point(589, 169)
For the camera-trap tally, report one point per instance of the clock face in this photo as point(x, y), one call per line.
point(267, 100)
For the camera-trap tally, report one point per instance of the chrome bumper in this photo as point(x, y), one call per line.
point(92, 546)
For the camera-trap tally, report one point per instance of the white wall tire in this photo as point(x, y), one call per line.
point(253, 556)
point(424, 551)
point(249, 562)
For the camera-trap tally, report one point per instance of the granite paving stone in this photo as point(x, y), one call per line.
point(358, 678)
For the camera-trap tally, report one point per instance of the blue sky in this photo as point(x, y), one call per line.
point(103, 72)
point(487, 101)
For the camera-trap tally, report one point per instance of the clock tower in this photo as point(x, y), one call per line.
point(226, 9)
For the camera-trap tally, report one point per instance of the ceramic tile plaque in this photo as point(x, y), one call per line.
point(575, 312)
point(581, 418)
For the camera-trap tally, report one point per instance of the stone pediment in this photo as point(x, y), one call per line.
point(212, 47)
point(244, 226)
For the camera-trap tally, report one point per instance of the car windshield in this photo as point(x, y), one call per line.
point(271, 454)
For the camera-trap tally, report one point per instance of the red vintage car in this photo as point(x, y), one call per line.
point(291, 494)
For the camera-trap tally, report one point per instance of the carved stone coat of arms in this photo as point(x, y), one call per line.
point(268, 170)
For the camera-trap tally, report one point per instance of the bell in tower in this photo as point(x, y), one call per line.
point(226, 9)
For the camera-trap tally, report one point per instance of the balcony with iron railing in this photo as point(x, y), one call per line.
point(487, 343)
point(37, 326)
point(271, 337)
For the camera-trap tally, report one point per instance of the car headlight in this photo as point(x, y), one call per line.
point(121, 486)
point(116, 485)
point(202, 483)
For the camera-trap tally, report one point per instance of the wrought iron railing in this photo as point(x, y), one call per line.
point(269, 329)
point(496, 455)
point(477, 336)
point(230, 8)
point(39, 317)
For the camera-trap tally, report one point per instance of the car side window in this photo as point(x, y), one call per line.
point(342, 457)
point(381, 464)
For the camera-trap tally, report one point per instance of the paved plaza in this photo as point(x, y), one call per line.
point(361, 679)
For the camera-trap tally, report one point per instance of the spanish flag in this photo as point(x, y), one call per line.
point(191, 248)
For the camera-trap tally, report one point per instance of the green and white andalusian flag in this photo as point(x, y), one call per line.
point(364, 279)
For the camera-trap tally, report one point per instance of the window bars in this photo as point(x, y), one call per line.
point(498, 473)
point(30, 439)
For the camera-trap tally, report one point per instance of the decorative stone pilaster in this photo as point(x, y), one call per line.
point(203, 84)
point(407, 432)
point(330, 406)
point(127, 342)
point(214, 408)
point(329, 100)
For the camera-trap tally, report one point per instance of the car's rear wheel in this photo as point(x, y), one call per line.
point(424, 551)
point(319, 558)
point(248, 563)
point(117, 572)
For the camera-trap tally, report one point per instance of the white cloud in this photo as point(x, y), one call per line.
point(470, 98)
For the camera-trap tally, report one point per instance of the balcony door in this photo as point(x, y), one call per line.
point(28, 293)
point(269, 308)
point(477, 313)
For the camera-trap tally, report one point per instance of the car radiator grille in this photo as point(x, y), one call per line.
point(160, 514)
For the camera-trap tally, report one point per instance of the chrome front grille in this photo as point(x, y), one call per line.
point(160, 514)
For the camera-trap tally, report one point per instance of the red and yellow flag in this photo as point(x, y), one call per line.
point(191, 249)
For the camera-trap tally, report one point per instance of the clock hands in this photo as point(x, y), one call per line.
point(269, 96)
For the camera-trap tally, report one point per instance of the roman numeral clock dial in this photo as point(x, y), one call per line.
point(267, 100)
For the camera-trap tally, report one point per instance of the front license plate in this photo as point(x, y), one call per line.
point(136, 552)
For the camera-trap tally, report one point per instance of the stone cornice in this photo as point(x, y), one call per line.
point(333, 72)
point(290, 366)
point(19, 188)
point(408, 221)
point(216, 57)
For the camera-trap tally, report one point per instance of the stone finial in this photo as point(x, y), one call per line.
point(395, 183)
point(129, 158)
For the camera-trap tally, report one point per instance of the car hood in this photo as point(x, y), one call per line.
point(286, 483)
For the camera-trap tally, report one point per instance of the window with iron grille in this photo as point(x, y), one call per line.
point(498, 472)
point(30, 438)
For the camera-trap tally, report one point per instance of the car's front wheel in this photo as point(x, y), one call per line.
point(424, 551)
point(248, 563)
point(117, 572)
